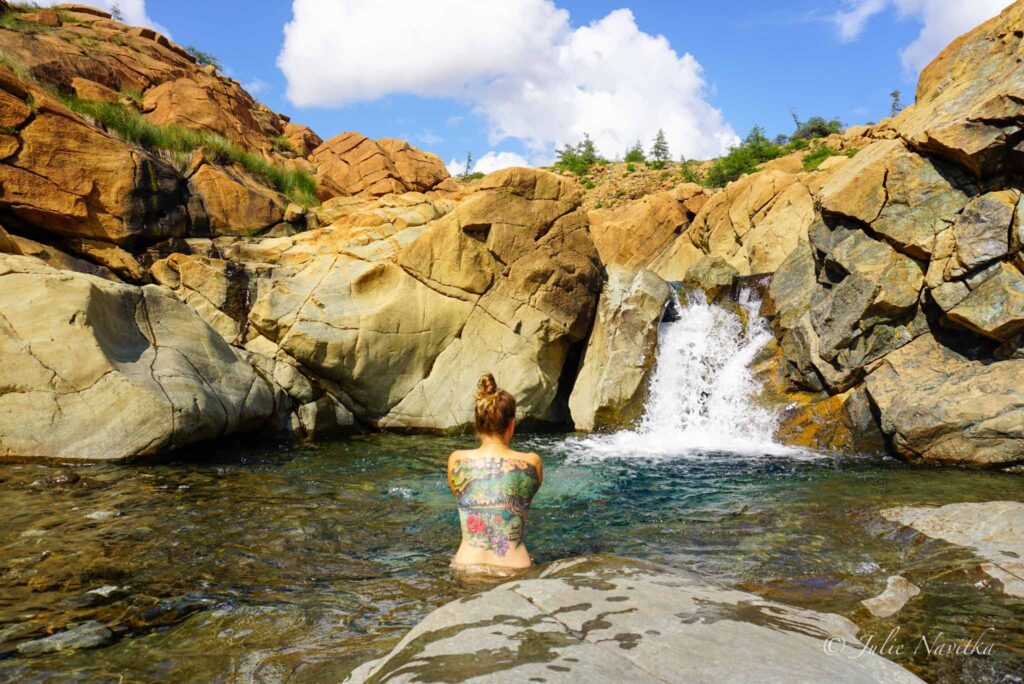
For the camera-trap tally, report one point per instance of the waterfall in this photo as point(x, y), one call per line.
point(700, 400)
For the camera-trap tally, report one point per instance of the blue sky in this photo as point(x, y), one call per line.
point(523, 78)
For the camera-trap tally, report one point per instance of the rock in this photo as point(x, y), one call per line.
point(406, 321)
point(610, 388)
point(352, 164)
point(73, 180)
point(204, 102)
point(712, 274)
point(897, 592)
point(993, 529)
point(962, 110)
point(996, 307)
point(221, 292)
point(302, 138)
point(839, 423)
point(325, 418)
point(791, 288)
point(940, 407)
point(109, 256)
point(756, 221)
point(233, 202)
point(91, 90)
point(87, 635)
point(638, 234)
point(55, 258)
point(904, 197)
point(626, 621)
point(982, 230)
point(105, 371)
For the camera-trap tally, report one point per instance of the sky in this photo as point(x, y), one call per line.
point(510, 81)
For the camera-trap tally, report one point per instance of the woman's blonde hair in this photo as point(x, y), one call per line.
point(495, 408)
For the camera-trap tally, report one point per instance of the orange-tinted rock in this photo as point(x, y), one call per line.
point(91, 90)
point(233, 201)
point(970, 99)
point(206, 103)
point(352, 164)
point(302, 138)
point(636, 234)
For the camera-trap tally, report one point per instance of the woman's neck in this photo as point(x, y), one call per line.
point(493, 442)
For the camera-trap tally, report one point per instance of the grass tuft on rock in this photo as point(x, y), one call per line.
point(128, 124)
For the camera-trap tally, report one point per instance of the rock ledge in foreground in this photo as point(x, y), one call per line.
point(616, 620)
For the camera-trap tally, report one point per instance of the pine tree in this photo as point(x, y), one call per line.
point(897, 104)
point(635, 154)
point(115, 12)
point(659, 150)
point(469, 164)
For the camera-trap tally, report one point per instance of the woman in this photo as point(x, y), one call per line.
point(494, 486)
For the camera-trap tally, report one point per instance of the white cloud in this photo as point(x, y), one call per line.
point(256, 86)
point(518, 63)
point(941, 22)
point(132, 11)
point(492, 161)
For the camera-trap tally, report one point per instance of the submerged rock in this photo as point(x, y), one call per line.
point(594, 619)
point(88, 635)
point(993, 529)
point(610, 388)
point(898, 591)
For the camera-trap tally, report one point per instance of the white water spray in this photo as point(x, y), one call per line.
point(700, 398)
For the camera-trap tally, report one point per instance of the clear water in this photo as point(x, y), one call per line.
point(297, 563)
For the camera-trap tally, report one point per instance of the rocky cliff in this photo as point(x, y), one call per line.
point(180, 263)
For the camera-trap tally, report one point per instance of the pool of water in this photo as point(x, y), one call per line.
point(297, 563)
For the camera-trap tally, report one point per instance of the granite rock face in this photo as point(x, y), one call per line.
point(607, 619)
point(102, 371)
point(610, 388)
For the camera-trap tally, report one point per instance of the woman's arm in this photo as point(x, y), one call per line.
point(540, 470)
point(451, 462)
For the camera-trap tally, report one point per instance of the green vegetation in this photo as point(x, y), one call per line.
point(743, 159)
point(813, 159)
point(635, 154)
point(817, 127)
point(133, 95)
point(467, 177)
point(897, 104)
point(587, 183)
point(659, 151)
point(204, 58)
point(577, 159)
point(630, 168)
point(283, 144)
point(689, 172)
point(131, 126)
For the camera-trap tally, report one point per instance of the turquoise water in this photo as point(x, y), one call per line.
point(298, 563)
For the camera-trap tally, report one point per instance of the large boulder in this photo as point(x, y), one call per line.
point(102, 371)
point(938, 406)
point(638, 234)
point(352, 164)
point(968, 106)
point(232, 201)
point(610, 387)
point(608, 619)
point(405, 319)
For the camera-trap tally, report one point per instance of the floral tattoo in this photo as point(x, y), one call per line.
point(494, 496)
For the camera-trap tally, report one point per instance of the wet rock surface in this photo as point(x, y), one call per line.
point(606, 619)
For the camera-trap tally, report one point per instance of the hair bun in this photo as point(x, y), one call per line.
point(486, 386)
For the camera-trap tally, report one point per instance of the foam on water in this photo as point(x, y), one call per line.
point(700, 402)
